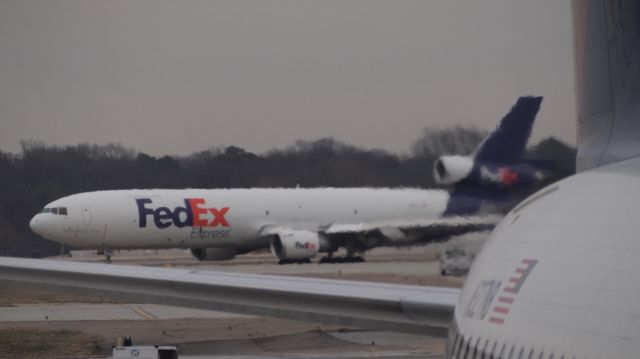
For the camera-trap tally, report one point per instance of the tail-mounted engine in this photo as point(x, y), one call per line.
point(452, 169)
point(459, 169)
point(512, 176)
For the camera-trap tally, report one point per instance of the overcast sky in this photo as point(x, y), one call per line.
point(174, 77)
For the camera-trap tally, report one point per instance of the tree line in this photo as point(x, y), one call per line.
point(41, 173)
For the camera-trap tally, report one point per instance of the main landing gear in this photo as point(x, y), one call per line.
point(342, 259)
point(349, 258)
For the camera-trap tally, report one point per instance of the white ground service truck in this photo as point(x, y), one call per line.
point(145, 352)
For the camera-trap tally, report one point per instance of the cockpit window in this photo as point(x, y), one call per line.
point(55, 210)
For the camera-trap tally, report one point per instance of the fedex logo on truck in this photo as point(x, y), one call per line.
point(193, 214)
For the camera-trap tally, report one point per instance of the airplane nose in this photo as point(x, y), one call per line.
point(35, 225)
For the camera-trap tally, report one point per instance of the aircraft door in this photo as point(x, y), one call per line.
point(86, 215)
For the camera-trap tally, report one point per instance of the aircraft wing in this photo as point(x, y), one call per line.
point(406, 232)
point(395, 233)
point(392, 307)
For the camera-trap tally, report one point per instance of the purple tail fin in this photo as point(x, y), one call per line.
point(507, 143)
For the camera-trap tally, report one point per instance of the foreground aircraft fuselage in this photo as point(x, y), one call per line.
point(559, 276)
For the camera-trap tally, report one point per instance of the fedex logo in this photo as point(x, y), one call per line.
point(193, 214)
point(305, 245)
point(504, 176)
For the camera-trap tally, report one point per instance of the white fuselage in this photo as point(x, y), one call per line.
point(225, 217)
point(559, 276)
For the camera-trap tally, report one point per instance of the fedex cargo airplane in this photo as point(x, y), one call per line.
point(217, 224)
point(557, 279)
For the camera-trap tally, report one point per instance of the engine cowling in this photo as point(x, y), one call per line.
point(214, 254)
point(452, 169)
point(295, 245)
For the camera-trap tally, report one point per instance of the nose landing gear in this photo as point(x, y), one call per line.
point(107, 254)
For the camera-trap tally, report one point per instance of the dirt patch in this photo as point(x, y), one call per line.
point(12, 294)
point(36, 343)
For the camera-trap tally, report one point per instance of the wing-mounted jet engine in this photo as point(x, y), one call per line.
point(295, 246)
